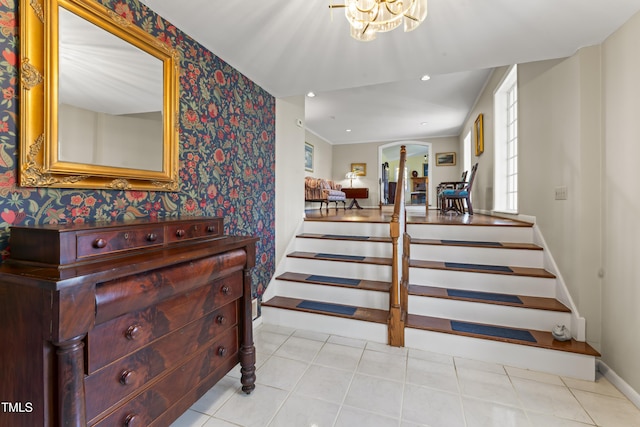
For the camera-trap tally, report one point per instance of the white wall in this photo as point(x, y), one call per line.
point(289, 170)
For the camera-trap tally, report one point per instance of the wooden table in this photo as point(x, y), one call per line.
point(356, 193)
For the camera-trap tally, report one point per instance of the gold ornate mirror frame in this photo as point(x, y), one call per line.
point(39, 163)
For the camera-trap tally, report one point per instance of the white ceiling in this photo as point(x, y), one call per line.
point(291, 47)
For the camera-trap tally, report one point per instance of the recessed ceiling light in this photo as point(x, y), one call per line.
point(425, 77)
point(423, 123)
point(348, 130)
point(311, 94)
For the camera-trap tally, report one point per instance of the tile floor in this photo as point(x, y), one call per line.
point(305, 379)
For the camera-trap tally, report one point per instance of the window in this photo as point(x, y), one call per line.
point(506, 144)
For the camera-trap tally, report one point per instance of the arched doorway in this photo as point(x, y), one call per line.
point(419, 154)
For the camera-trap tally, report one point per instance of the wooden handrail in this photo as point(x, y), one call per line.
point(396, 317)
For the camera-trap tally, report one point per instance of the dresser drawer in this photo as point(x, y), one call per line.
point(113, 339)
point(179, 232)
point(112, 241)
point(136, 292)
point(127, 375)
point(153, 400)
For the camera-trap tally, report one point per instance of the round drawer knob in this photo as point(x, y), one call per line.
point(221, 319)
point(133, 332)
point(222, 352)
point(126, 377)
point(132, 420)
point(99, 243)
point(226, 290)
point(152, 237)
point(180, 233)
point(211, 228)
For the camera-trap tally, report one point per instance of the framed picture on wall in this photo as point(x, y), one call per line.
point(478, 134)
point(359, 168)
point(308, 157)
point(446, 159)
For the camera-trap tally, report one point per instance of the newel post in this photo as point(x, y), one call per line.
point(396, 318)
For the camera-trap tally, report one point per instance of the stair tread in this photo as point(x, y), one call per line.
point(345, 237)
point(347, 258)
point(539, 303)
point(355, 219)
point(543, 339)
point(371, 285)
point(516, 271)
point(361, 313)
point(435, 218)
point(477, 244)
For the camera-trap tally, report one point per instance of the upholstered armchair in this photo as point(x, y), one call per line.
point(323, 191)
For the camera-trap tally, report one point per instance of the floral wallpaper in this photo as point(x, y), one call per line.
point(227, 149)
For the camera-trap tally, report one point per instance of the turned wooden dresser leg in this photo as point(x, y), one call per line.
point(71, 403)
point(248, 368)
point(247, 349)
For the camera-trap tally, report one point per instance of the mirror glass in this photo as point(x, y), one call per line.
point(99, 100)
point(109, 98)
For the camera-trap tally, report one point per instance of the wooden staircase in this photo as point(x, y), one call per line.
point(344, 270)
point(475, 291)
point(482, 292)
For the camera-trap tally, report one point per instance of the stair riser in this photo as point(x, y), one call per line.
point(347, 228)
point(334, 294)
point(474, 255)
point(484, 282)
point(376, 332)
point(492, 314)
point(465, 232)
point(346, 247)
point(516, 355)
point(351, 270)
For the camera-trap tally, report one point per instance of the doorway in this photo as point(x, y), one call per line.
point(419, 159)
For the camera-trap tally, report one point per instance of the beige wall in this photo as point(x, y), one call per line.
point(482, 193)
point(345, 154)
point(323, 156)
point(621, 286)
point(560, 112)
point(559, 145)
point(322, 162)
point(445, 173)
point(578, 128)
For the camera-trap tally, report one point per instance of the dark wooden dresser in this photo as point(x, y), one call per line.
point(121, 324)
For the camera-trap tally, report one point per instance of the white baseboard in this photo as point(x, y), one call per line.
point(257, 322)
point(515, 217)
point(619, 383)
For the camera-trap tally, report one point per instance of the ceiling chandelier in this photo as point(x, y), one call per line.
point(369, 17)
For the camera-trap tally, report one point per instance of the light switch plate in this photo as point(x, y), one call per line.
point(561, 193)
